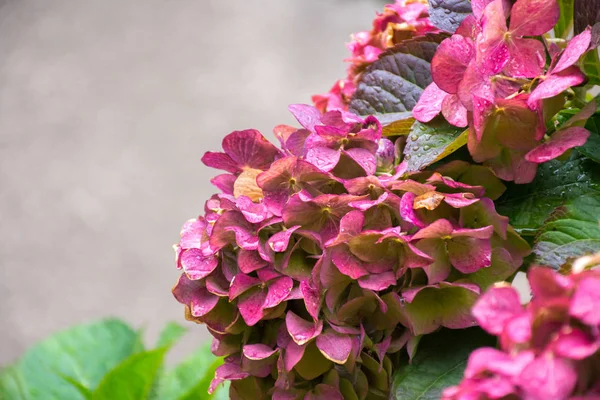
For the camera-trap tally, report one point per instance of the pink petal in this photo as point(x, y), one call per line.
point(377, 282)
point(559, 142)
point(258, 351)
point(556, 84)
point(533, 17)
point(364, 205)
point(454, 111)
point(227, 371)
point(323, 158)
point(575, 344)
point(574, 50)
point(548, 377)
point(364, 158)
point(429, 104)
point(527, 58)
point(407, 211)
point(224, 182)
point(249, 148)
point(249, 261)
point(307, 116)
point(450, 62)
point(240, 284)
point(347, 263)
point(334, 346)
point(278, 291)
point(193, 295)
point(300, 330)
point(584, 304)
point(220, 161)
point(496, 307)
point(469, 254)
point(440, 268)
point(251, 307)
point(312, 298)
point(253, 212)
point(280, 241)
point(293, 354)
point(481, 109)
point(438, 229)
point(196, 265)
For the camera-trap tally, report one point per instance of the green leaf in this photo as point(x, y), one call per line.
point(133, 378)
point(572, 231)
point(565, 22)
point(440, 361)
point(81, 354)
point(391, 86)
point(12, 386)
point(428, 143)
point(591, 148)
point(170, 334)
point(190, 379)
point(557, 182)
point(591, 67)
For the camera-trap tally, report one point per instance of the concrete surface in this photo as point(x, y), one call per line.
point(106, 107)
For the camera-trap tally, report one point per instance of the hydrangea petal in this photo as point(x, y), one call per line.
point(300, 330)
point(559, 142)
point(548, 377)
point(533, 17)
point(556, 84)
point(527, 58)
point(586, 298)
point(575, 344)
point(251, 307)
point(258, 351)
point(454, 111)
point(496, 307)
point(197, 298)
point(196, 265)
point(450, 62)
point(574, 50)
point(469, 254)
point(334, 346)
point(312, 298)
point(429, 104)
point(250, 149)
point(377, 282)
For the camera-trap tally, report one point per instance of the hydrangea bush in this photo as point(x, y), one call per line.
point(461, 147)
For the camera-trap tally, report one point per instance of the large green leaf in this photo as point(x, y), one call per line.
point(391, 86)
point(557, 182)
point(190, 379)
point(591, 67)
point(12, 386)
point(133, 378)
point(81, 354)
point(448, 14)
point(565, 22)
point(428, 143)
point(571, 232)
point(170, 334)
point(440, 361)
point(591, 148)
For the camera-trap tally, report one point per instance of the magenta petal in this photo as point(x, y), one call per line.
point(478, 7)
point(334, 346)
point(220, 161)
point(364, 205)
point(249, 148)
point(574, 50)
point(363, 157)
point(312, 298)
point(192, 294)
point(278, 291)
point(469, 254)
point(437, 229)
point(556, 84)
point(548, 377)
point(307, 116)
point(377, 282)
point(253, 212)
point(527, 58)
point(454, 111)
point(227, 371)
point(482, 359)
point(347, 263)
point(560, 142)
point(584, 304)
point(196, 265)
point(293, 354)
point(450, 62)
point(251, 307)
point(244, 238)
point(280, 241)
point(533, 17)
point(575, 344)
point(496, 307)
point(481, 109)
point(407, 211)
point(323, 158)
point(224, 182)
point(258, 351)
point(192, 233)
point(429, 104)
point(249, 261)
point(301, 330)
point(240, 284)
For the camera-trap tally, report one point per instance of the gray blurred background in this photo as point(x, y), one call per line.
point(106, 107)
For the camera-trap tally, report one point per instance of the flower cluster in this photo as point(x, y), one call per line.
point(399, 21)
point(320, 258)
point(495, 78)
point(549, 349)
